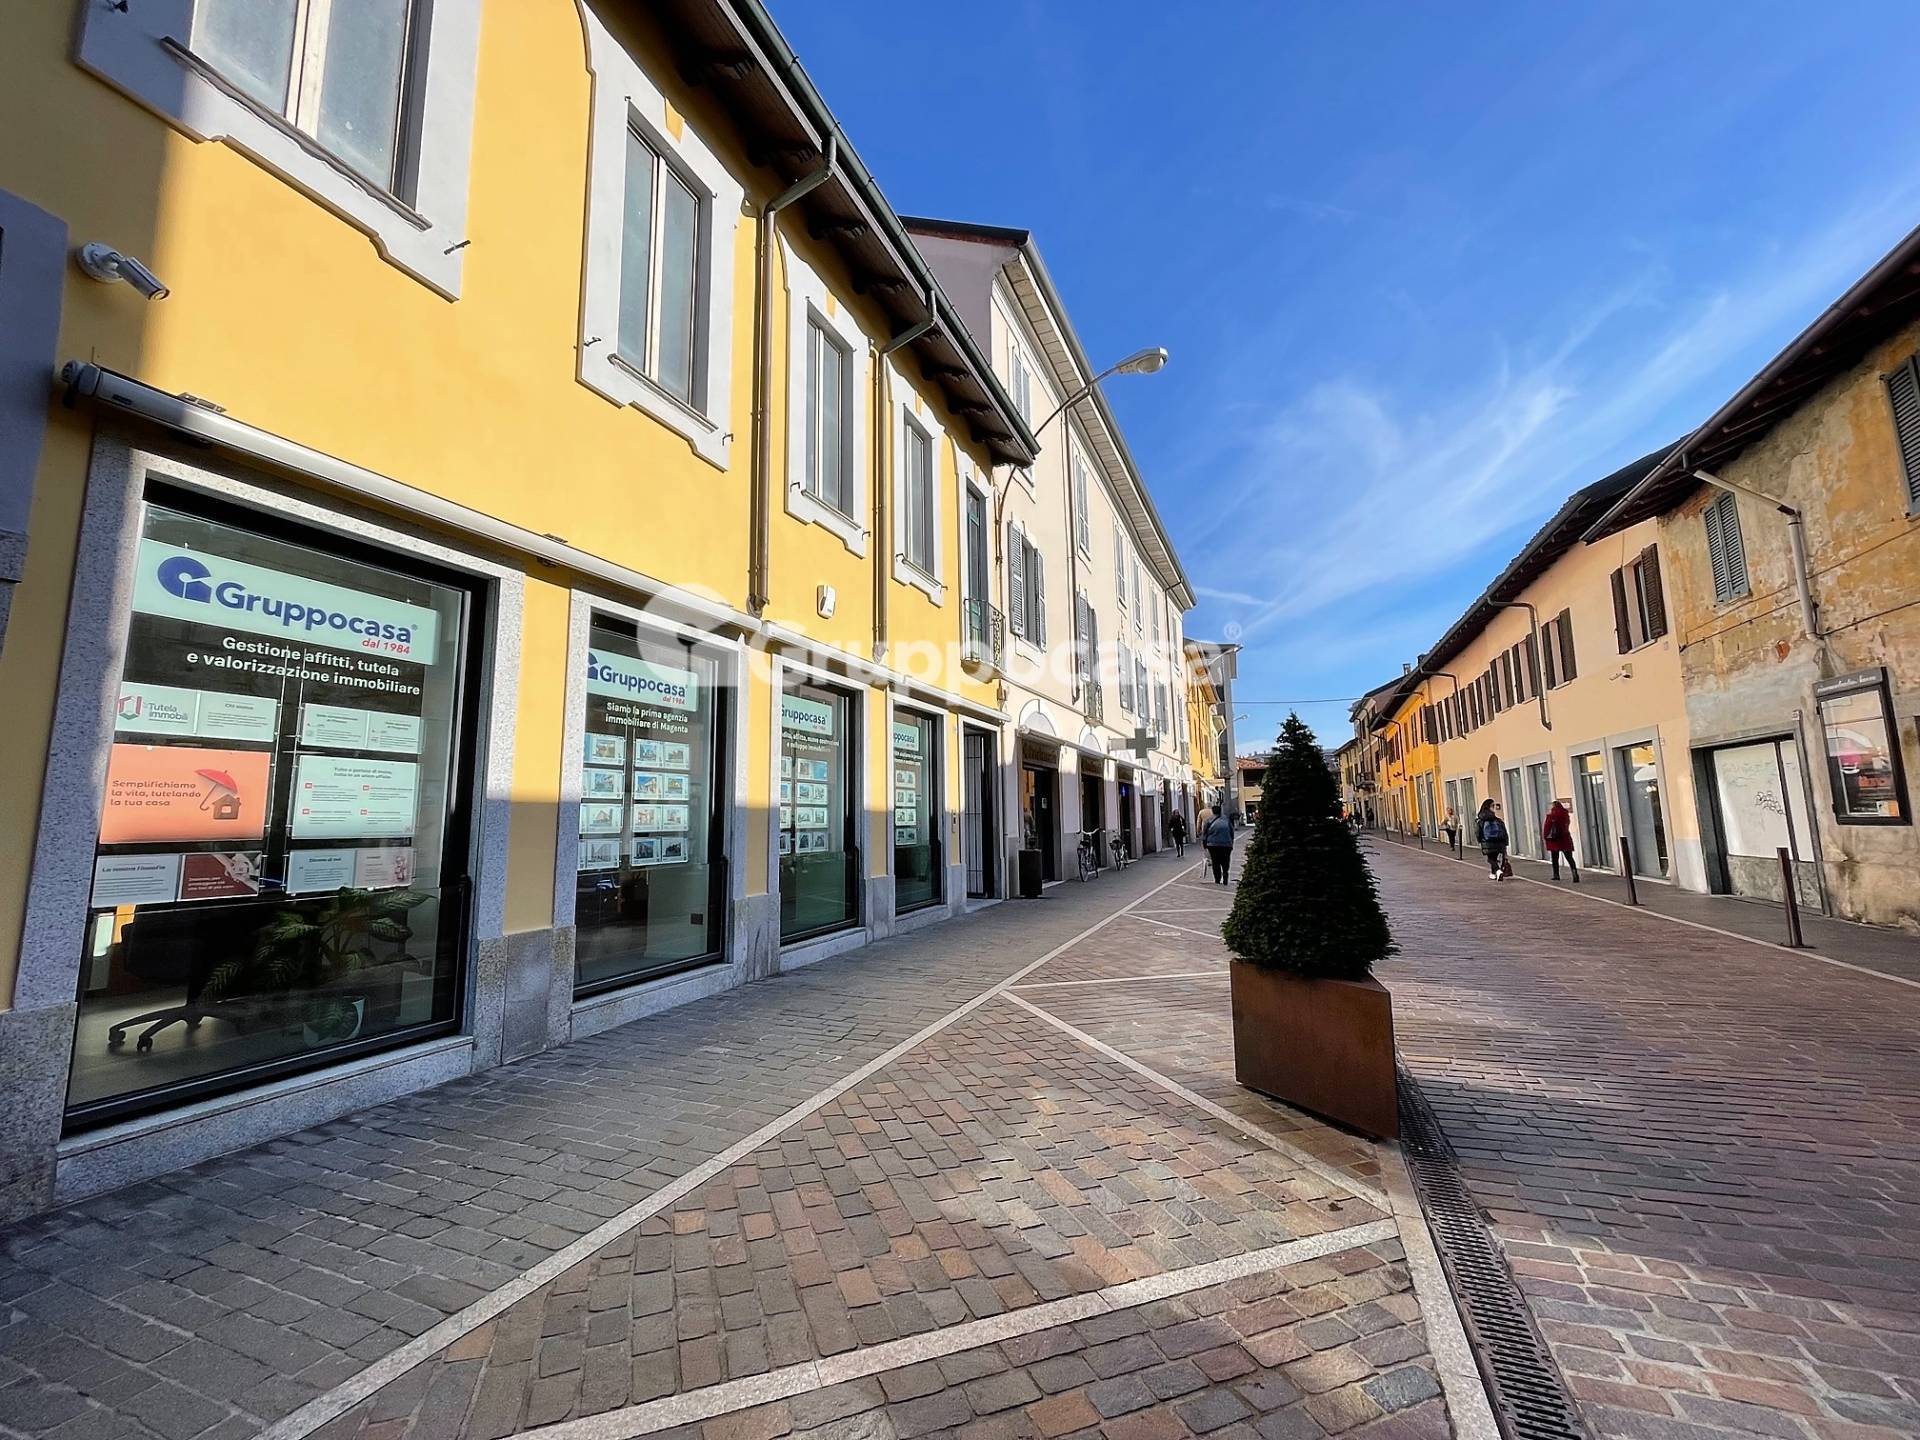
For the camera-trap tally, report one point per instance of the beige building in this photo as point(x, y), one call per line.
point(1563, 681)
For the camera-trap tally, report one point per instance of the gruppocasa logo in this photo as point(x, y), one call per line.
point(186, 578)
point(643, 682)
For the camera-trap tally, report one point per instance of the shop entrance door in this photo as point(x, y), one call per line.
point(1039, 816)
point(977, 827)
point(1093, 814)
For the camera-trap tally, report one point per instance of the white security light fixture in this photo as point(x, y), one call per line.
point(106, 264)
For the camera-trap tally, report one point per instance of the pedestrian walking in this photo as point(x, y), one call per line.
point(1177, 832)
point(1556, 832)
point(1218, 838)
point(1451, 824)
point(1491, 831)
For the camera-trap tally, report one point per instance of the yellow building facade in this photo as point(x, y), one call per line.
point(511, 582)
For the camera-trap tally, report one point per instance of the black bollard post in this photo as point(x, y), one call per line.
point(1626, 869)
point(1791, 889)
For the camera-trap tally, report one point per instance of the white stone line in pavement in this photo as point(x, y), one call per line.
point(1357, 1188)
point(671, 1411)
point(1114, 980)
point(389, 1367)
point(1572, 894)
point(1183, 929)
point(1184, 910)
point(1460, 1382)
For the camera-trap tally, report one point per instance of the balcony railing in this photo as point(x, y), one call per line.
point(984, 639)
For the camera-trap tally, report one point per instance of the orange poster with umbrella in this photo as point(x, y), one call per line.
point(181, 792)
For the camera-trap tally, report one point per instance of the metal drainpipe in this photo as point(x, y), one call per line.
point(762, 487)
point(882, 534)
point(1533, 617)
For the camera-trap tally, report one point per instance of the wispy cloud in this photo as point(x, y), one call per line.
point(1319, 211)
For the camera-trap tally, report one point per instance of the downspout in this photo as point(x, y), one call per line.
point(1796, 540)
point(882, 491)
point(1533, 619)
point(761, 489)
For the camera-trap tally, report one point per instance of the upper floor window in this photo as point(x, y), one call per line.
point(1020, 380)
point(1026, 587)
point(1120, 564)
point(829, 473)
point(1139, 604)
point(337, 70)
point(1557, 638)
point(659, 270)
point(1082, 521)
point(365, 105)
point(1639, 603)
point(919, 499)
point(1725, 551)
point(1903, 393)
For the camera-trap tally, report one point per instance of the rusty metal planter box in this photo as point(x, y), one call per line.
point(1324, 1046)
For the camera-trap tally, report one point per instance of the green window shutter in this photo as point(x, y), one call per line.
point(1903, 393)
point(1016, 581)
point(1037, 567)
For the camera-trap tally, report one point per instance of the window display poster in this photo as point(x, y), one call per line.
point(383, 867)
point(183, 792)
point(312, 871)
point(650, 718)
point(338, 797)
point(911, 757)
point(220, 875)
point(135, 880)
point(812, 755)
point(1860, 755)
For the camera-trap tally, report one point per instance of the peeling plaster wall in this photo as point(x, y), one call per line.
point(1749, 668)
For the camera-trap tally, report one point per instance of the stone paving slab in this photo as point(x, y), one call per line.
point(225, 1296)
point(1331, 1347)
point(1701, 1155)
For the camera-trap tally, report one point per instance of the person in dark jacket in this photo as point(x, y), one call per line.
point(1556, 833)
point(1491, 831)
point(1218, 838)
point(1177, 832)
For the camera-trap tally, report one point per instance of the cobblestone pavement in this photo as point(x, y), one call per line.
point(809, 1192)
point(1702, 1155)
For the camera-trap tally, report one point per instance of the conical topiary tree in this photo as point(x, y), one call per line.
point(1306, 902)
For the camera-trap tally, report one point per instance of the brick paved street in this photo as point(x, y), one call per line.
point(1702, 1155)
point(879, 1197)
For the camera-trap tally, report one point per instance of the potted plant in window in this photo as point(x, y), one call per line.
point(1310, 1024)
point(330, 958)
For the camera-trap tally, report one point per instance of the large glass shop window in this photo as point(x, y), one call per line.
point(916, 849)
point(818, 864)
point(281, 869)
point(650, 872)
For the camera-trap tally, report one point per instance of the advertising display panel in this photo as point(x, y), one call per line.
point(916, 852)
point(817, 871)
point(283, 825)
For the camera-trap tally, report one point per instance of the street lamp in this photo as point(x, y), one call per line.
point(1150, 361)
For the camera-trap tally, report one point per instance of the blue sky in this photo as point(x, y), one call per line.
point(1423, 270)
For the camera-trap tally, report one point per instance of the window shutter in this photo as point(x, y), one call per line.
point(1903, 393)
point(1037, 566)
point(1736, 551)
point(1653, 590)
point(1120, 563)
point(1565, 622)
point(1716, 522)
point(1016, 581)
point(1140, 683)
point(1622, 632)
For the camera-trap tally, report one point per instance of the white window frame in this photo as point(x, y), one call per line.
point(913, 413)
point(625, 99)
point(145, 51)
point(808, 299)
point(1120, 564)
point(1081, 478)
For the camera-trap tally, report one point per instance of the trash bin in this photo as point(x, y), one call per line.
point(1031, 876)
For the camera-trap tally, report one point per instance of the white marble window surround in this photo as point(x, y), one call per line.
point(146, 51)
point(910, 414)
point(626, 101)
point(808, 300)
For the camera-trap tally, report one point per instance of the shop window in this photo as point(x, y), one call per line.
point(649, 895)
point(819, 858)
point(1590, 805)
point(1863, 752)
point(916, 846)
point(281, 873)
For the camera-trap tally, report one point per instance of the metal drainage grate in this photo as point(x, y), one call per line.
point(1523, 1383)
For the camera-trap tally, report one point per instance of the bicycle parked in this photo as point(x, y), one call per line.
point(1122, 851)
point(1089, 854)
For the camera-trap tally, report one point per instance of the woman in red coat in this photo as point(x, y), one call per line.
point(1557, 832)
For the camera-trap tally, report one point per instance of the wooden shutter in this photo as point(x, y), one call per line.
point(1567, 668)
point(1622, 630)
point(1655, 593)
point(1037, 568)
point(1903, 393)
point(1016, 581)
point(1533, 663)
point(1736, 550)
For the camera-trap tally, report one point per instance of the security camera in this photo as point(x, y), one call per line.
point(105, 264)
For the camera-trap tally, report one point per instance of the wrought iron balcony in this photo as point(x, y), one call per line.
point(983, 641)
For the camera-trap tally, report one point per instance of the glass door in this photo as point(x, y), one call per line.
point(1759, 796)
point(819, 857)
point(1646, 823)
point(1522, 837)
point(1540, 787)
point(1590, 800)
point(978, 830)
point(916, 812)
